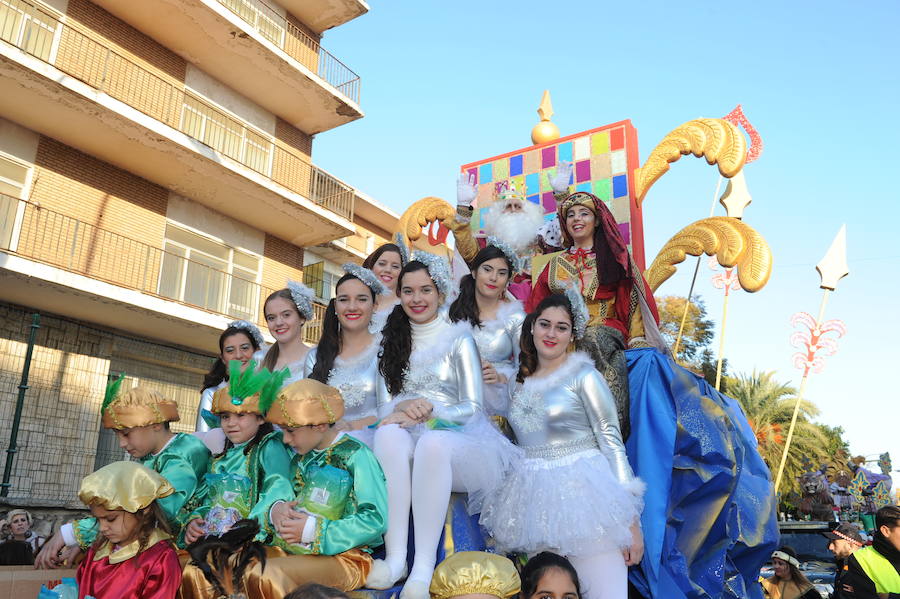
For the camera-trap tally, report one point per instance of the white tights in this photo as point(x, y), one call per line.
point(426, 487)
point(602, 575)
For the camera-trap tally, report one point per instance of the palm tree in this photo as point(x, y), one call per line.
point(769, 406)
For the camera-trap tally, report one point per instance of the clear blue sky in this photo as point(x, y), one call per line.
point(446, 83)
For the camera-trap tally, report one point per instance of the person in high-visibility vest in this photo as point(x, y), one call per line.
point(875, 571)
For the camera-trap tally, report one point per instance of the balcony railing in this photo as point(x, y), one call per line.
point(297, 44)
point(56, 239)
point(32, 29)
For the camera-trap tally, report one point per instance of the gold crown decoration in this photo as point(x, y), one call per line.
point(306, 402)
point(136, 407)
point(128, 486)
point(502, 193)
point(475, 573)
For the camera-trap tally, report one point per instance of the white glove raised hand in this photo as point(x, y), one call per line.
point(466, 190)
point(560, 181)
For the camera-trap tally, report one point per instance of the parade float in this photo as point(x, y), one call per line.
point(709, 519)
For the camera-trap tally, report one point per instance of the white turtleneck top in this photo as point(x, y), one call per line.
point(444, 369)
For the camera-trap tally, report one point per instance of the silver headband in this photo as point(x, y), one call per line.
point(404, 251)
point(303, 298)
point(251, 329)
point(366, 276)
point(507, 250)
point(438, 270)
point(579, 310)
point(785, 557)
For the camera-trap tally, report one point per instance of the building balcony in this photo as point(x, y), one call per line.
point(61, 81)
point(52, 262)
point(353, 248)
point(256, 51)
point(320, 15)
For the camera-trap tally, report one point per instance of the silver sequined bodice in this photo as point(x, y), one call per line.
point(569, 411)
point(356, 378)
point(498, 339)
point(448, 374)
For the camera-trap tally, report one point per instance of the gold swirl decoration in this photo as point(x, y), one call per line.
point(421, 213)
point(732, 241)
point(720, 142)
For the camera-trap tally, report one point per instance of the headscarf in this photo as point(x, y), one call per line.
point(610, 249)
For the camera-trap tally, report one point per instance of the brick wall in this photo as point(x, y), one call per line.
point(128, 39)
point(60, 424)
point(127, 210)
point(295, 138)
point(140, 71)
point(281, 261)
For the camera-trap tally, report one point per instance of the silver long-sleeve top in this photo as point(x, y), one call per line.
point(498, 339)
point(356, 378)
point(445, 369)
point(569, 411)
point(206, 397)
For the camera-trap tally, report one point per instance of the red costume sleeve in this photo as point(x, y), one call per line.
point(153, 574)
point(540, 291)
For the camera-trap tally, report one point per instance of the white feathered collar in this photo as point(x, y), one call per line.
point(506, 310)
point(541, 384)
point(367, 355)
point(440, 348)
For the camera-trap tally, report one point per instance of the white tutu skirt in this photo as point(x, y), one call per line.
point(571, 505)
point(482, 457)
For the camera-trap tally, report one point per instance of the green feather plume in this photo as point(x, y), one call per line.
point(112, 391)
point(247, 383)
point(270, 390)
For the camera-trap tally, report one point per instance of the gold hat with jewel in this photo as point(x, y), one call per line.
point(579, 198)
point(242, 394)
point(304, 403)
point(136, 407)
point(128, 486)
point(475, 572)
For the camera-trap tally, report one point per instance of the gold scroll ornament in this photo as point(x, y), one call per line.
point(720, 142)
point(423, 213)
point(732, 241)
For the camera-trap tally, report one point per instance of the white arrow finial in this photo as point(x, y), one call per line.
point(736, 196)
point(833, 267)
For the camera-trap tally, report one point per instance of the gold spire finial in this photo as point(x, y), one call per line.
point(545, 131)
point(545, 110)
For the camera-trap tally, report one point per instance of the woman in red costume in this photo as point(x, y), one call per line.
point(596, 259)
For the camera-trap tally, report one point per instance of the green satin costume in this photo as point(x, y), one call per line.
point(364, 521)
point(268, 465)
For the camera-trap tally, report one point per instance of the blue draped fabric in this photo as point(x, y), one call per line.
point(709, 519)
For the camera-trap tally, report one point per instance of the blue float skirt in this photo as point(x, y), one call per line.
point(709, 515)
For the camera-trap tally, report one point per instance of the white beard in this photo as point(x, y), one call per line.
point(518, 229)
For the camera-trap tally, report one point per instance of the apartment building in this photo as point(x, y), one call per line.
point(157, 182)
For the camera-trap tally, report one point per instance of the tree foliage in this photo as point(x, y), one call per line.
point(769, 405)
point(698, 329)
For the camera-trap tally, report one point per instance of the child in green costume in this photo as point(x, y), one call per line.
point(338, 508)
point(140, 418)
point(251, 473)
